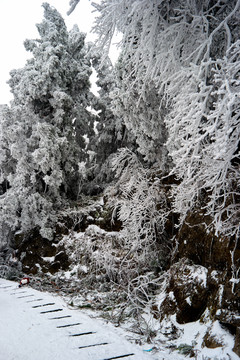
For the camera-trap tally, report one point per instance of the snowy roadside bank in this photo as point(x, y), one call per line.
point(41, 326)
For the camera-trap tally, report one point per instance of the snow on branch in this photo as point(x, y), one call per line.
point(177, 92)
point(141, 204)
point(73, 4)
point(207, 151)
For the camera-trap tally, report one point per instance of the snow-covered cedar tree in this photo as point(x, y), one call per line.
point(43, 132)
point(178, 78)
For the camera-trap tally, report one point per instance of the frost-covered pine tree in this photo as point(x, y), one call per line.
point(111, 133)
point(136, 99)
point(178, 92)
point(43, 131)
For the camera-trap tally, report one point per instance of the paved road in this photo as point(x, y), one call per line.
point(40, 326)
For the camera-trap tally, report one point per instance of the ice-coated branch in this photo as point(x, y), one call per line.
point(73, 4)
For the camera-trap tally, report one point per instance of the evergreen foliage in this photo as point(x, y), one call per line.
point(110, 130)
point(43, 132)
point(163, 133)
point(172, 98)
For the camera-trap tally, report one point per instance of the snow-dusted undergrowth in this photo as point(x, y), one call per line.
point(96, 282)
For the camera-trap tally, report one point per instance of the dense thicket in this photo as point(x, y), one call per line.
point(161, 140)
point(172, 98)
point(178, 92)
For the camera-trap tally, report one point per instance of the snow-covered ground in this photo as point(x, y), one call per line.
point(37, 325)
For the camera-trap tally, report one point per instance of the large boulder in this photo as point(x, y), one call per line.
point(186, 292)
point(199, 253)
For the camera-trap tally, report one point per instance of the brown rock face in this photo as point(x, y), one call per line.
point(187, 292)
point(36, 253)
point(221, 257)
point(199, 244)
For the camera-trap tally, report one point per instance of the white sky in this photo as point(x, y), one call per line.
point(17, 23)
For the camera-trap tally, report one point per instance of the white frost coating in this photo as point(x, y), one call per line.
point(214, 275)
point(177, 91)
point(83, 268)
point(199, 274)
point(195, 273)
point(94, 229)
point(48, 258)
point(171, 295)
point(41, 133)
point(188, 300)
point(220, 294)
